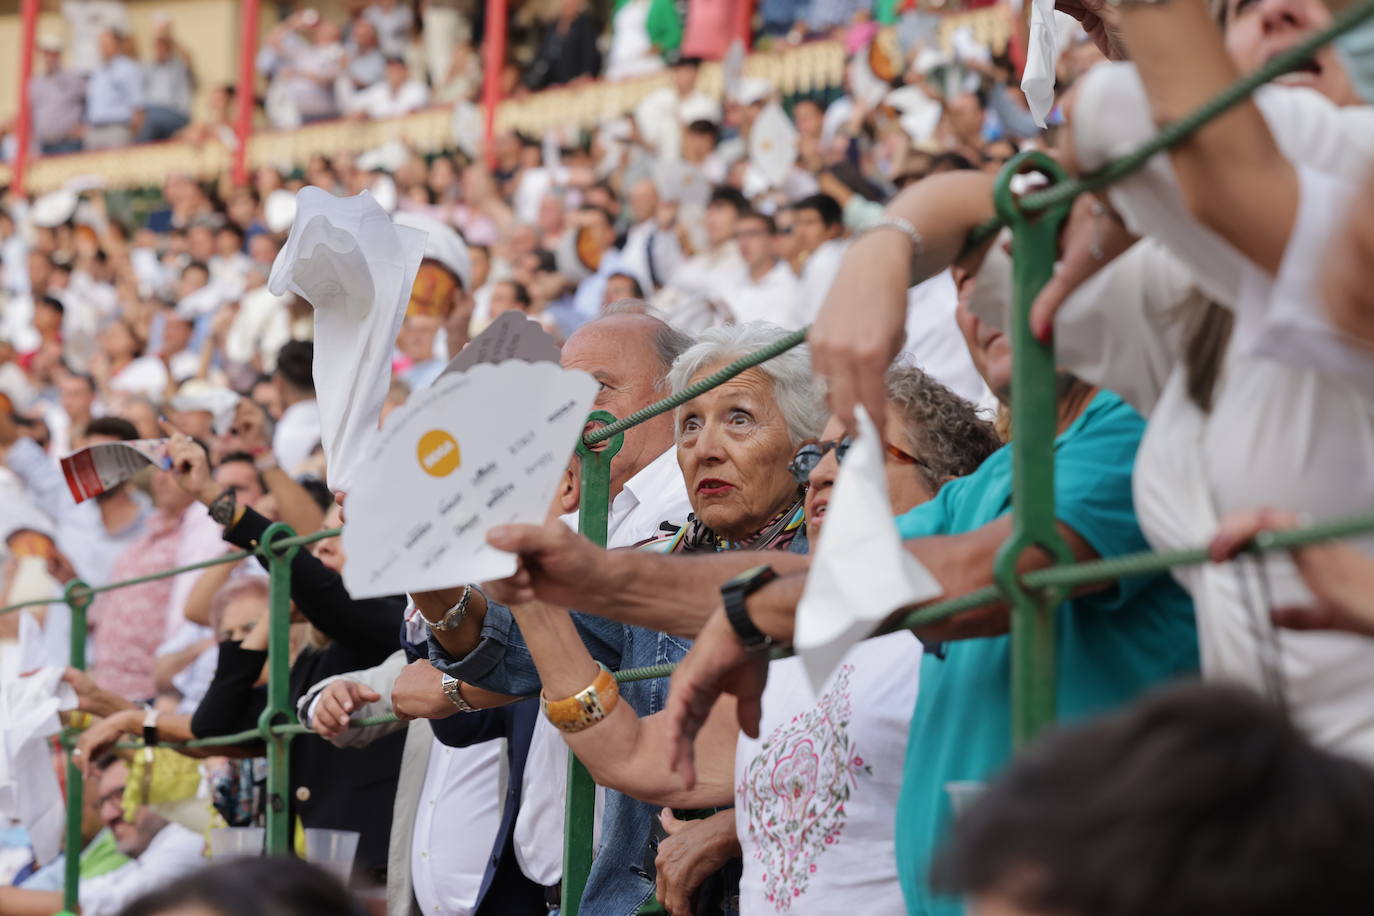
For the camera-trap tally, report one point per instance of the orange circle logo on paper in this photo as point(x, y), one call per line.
point(438, 453)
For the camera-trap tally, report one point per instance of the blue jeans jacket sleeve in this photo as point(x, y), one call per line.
point(502, 663)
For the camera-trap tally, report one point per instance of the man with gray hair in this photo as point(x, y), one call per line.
point(629, 354)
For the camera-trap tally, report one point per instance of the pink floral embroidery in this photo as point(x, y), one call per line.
point(795, 791)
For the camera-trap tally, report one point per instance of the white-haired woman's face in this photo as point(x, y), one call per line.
point(733, 446)
point(1257, 30)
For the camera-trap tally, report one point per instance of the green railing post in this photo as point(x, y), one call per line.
point(278, 711)
point(1034, 423)
point(78, 597)
point(593, 520)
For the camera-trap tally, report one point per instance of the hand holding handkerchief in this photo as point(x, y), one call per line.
point(1042, 53)
point(861, 573)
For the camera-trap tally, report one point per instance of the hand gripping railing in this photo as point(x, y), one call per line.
point(1034, 220)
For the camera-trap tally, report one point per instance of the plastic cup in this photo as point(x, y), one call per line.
point(236, 842)
point(963, 793)
point(332, 850)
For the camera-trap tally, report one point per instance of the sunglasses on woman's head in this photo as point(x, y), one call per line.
point(810, 453)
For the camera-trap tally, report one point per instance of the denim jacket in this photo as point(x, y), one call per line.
point(501, 662)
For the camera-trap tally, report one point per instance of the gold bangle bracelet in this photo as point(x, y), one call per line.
point(585, 708)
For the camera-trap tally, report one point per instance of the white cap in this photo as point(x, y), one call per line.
point(442, 244)
point(53, 208)
point(216, 400)
point(754, 89)
point(698, 108)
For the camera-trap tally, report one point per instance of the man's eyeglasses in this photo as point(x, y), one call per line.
point(812, 451)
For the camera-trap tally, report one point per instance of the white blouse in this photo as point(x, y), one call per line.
point(815, 792)
point(1283, 430)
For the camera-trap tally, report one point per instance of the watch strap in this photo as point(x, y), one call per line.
point(453, 689)
point(222, 510)
point(150, 726)
point(453, 617)
point(734, 595)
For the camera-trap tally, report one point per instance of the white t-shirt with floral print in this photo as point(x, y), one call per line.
point(815, 795)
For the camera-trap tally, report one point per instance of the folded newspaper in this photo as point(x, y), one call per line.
point(99, 468)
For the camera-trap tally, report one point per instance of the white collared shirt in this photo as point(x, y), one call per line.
point(655, 495)
point(818, 273)
point(174, 852)
point(773, 298)
point(463, 786)
point(935, 345)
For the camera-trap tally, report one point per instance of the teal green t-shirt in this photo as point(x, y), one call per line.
point(1112, 645)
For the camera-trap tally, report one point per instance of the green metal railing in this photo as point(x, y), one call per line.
point(1034, 221)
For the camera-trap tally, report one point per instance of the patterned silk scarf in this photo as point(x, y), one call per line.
point(696, 537)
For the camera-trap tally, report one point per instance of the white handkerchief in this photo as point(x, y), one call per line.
point(476, 449)
point(860, 573)
point(1037, 82)
point(773, 144)
point(28, 717)
point(346, 258)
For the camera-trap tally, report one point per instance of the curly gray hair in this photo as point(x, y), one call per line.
point(944, 430)
point(799, 394)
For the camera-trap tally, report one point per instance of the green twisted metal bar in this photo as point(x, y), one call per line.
point(1135, 564)
point(782, 345)
point(78, 597)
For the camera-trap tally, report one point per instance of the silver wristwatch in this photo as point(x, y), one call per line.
point(453, 690)
point(453, 617)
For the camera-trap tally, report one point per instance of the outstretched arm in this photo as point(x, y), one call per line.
point(1178, 51)
point(623, 751)
point(862, 322)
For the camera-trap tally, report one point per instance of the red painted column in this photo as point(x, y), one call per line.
point(243, 126)
point(744, 19)
point(494, 46)
point(24, 129)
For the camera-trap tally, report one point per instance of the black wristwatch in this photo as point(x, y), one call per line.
point(222, 509)
point(150, 726)
point(734, 594)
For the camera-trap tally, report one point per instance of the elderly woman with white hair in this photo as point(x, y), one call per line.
point(734, 446)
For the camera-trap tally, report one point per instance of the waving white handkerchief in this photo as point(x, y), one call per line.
point(28, 718)
point(346, 258)
point(476, 449)
point(1037, 81)
point(860, 573)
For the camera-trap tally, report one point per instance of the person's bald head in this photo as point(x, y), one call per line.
point(643, 200)
point(629, 354)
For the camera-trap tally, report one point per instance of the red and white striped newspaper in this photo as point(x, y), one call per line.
point(98, 468)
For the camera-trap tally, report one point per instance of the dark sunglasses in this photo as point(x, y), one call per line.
point(810, 453)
